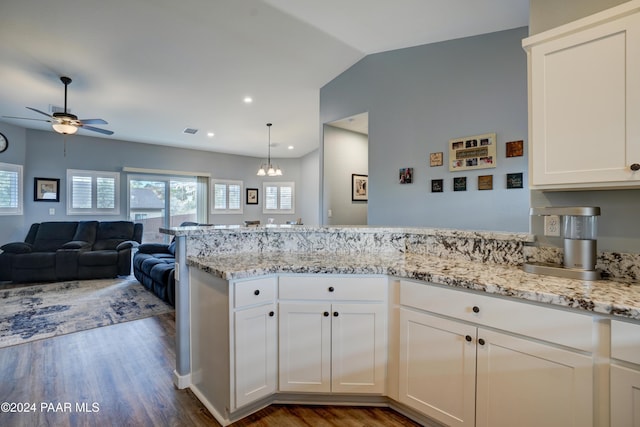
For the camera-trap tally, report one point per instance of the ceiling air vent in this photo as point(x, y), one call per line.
point(190, 131)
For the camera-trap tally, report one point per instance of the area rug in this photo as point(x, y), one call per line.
point(34, 312)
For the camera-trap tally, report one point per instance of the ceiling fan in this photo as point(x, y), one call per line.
point(67, 123)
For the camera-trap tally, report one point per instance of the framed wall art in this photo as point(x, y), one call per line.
point(405, 175)
point(472, 152)
point(46, 190)
point(485, 182)
point(359, 188)
point(435, 159)
point(515, 148)
point(252, 196)
point(460, 183)
point(437, 185)
point(514, 180)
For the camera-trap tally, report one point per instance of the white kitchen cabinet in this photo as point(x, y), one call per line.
point(469, 368)
point(625, 397)
point(529, 384)
point(584, 102)
point(335, 339)
point(438, 367)
point(233, 342)
point(305, 347)
point(625, 374)
point(255, 337)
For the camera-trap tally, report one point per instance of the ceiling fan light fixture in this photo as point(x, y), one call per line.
point(64, 128)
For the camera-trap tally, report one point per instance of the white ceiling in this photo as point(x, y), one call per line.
point(154, 67)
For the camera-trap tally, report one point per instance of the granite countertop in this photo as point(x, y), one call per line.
point(617, 298)
point(364, 229)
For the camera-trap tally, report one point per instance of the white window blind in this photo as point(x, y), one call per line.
point(10, 189)
point(279, 198)
point(226, 197)
point(93, 192)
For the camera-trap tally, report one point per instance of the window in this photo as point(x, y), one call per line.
point(226, 196)
point(10, 189)
point(93, 192)
point(279, 198)
point(159, 198)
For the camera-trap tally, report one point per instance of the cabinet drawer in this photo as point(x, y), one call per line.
point(333, 288)
point(256, 291)
point(625, 341)
point(547, 324)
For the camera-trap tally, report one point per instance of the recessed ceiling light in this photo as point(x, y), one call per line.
point(210, 134)
point(290, 147)
point(248, 100)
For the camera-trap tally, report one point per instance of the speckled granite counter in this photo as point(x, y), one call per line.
point(618, 298)
point(485, 261)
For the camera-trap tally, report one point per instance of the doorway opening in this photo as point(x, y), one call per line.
point(345, 154)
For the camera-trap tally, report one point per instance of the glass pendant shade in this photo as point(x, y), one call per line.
point(268, 169)
point(64, 128)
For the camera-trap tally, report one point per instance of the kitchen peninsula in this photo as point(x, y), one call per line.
point(355, 315)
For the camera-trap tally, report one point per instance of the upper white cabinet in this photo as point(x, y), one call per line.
point(584, 102)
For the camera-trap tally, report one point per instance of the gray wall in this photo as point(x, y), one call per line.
point(345, 153)
point(43, 155)
point(309, 188)
point(12, 226)
point(419, 98)
point(547, 14)
point(618, 225)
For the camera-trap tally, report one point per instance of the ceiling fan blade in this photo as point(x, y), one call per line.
point(26, 118)
point(94, 121)
point(41, 112)
point(104, 131)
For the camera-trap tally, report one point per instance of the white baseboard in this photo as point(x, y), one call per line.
point(181, 381)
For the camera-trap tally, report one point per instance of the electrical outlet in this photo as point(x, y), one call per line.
point(552, 225)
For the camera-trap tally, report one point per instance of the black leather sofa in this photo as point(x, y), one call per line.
point(154, 266)
point(68, 250)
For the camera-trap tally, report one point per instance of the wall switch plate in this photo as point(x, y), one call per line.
point(552, 225)
point(52, 211)
point(329, 213)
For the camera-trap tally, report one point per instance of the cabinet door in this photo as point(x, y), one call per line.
point(625, 397)
point(255, 353)
point(585, 107)
point(529, 384)
point(358, 348)
point(438, 367)
point(305, 347)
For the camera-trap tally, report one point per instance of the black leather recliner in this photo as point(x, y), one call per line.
point(67, 250)
point(154, 266)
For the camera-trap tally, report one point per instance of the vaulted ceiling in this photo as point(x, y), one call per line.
point(152, 68)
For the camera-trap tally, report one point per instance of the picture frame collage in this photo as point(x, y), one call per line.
point(468, 154)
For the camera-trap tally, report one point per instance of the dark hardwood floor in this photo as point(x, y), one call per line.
point(121, 375)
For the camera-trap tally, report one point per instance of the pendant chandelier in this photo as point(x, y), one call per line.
point(268, 169)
